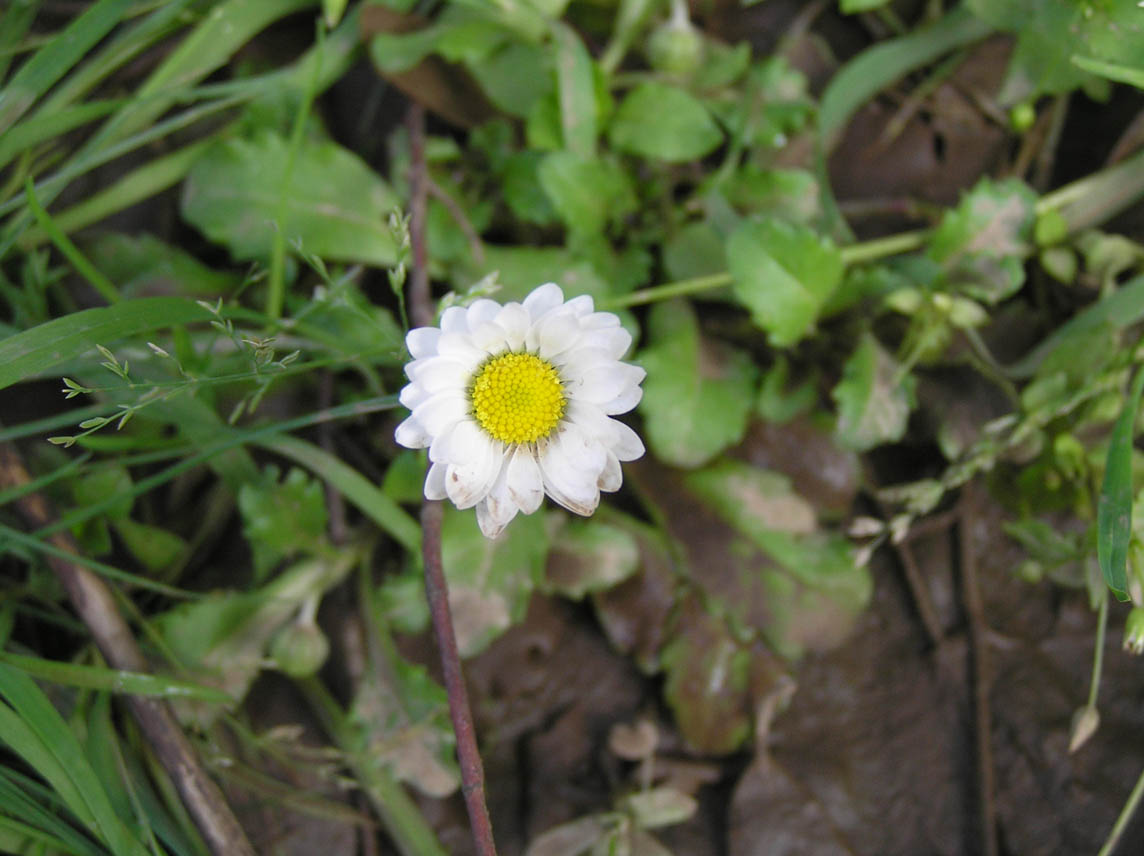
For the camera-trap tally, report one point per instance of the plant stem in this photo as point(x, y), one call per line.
point(437, 592)
point(1098, 652)
point(1125, 816)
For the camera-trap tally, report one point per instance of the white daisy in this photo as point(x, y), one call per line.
point(515, 401)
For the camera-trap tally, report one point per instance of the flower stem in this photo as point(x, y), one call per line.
point(1125, 816)
point(437, 592)
point(1098, 652)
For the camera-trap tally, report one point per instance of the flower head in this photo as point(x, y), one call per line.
point(515, 401)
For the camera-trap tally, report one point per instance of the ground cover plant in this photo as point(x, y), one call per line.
point(825, 535)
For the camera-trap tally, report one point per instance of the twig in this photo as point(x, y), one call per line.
point(980, 676)
point(920, 594)
point(95, 604)
point(436, 588)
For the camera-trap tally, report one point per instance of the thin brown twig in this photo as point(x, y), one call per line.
point(980, 673)
point(95, 604)
point(436, 588)
point(920, 593)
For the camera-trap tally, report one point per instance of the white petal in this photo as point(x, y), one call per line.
point(411, 434)
point(628, 445)
point(422, 341)
point(523, 480)
point(612, 476)
point(592, 421)
point(459, 346)
point(574, 363)
point(601, 384)
point(542, 299)
point(556, 333)
point(565, 483)
point(468, 483)
point(580, 305)
point(461, 443)
point(440, 411)
point(481, 312)
point(435, 482)
point(411, 395)
point(515, 321)
point(623, 402)
point(498, 508)
point(453, 320)
point(599, 320)
point(614, 340)
point(489, 337)
point(438, 374)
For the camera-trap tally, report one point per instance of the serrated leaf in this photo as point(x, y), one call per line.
point(664, 123)
point(697, 395)
point(490, 580)
point(874, 398)
point(980, 243)
point(336, 206)
point(783, 273)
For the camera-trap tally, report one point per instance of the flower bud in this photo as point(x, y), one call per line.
point(300, 649)
point(1134, 631)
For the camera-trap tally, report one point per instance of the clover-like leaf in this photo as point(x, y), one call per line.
point(874, 398)
point(664, 123)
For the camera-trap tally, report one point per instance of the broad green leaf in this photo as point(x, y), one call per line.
point(515, 77)
point(664, 123)
point(588, 556)
point(1114, 509)
point(1050, 32)
point(281, 519)
point(105, 481)
point(588, 193)
point(337, 207)
point(576, 90)
point(520, 269)
point(783, 273)
point(980, 243)
point(110, 680)
point(851, 7)
point(156, 548)
point(56, 57)
point(697, 395)
point(490, 581)
point(33, 352)
point(1130, 74)
point(520, 184)
point(789, 194)
point(140, 263)
point(694, 250)
point(874, 398)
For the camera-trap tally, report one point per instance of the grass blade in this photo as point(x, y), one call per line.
point(34, 351)
point(112, 680)
point(70, 251)
point(13, 26)
point(53, 60)
point(1114, 510)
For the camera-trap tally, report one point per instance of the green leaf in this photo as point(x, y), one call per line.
point(981, 242)
point(694, 250)
point(1050, 32)
point(664, 123)
point(490, 581)
point(588, 193)
point(520, 184)
point(140, 263)
point(1132, 75)
point(783, 273)
point(874, 398)
point(697, 395)
point(1114, 509)
point(576, 90)
point(851, 7)
point(102, 482)
point(34, 351)
point(337, 206)
point(156, 548)
point(281, 519)
point(588, 556)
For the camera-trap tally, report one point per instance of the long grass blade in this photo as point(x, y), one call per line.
point(112, 680)
point(1114, 509)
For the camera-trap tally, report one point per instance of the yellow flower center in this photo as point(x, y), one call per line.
point(517, 398)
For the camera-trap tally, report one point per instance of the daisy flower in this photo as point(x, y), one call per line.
point(515, 401)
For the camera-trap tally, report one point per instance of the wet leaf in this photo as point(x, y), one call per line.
point(490, 580)
point(336, 205)
point(697, 395)
point(280, 519)
point(979, 244)
point(783, 273)
point(588, 556)
point(874, 398)
point(663, 123)
point(1114, 510)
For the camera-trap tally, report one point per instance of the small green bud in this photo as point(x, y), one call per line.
point(1134, 631)
point(1022, 117)
point(675, 47)
point(300, 649)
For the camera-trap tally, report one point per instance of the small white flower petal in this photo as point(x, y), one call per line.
point(435, 482)
point(481, 312)
point(628, 445)
point(612, 476)
point(412, 435)
point(411, 395)
point(453, 320)
point(515, 321)
point(613, 340)
point(565, 482)
point(543, 299)
point(468, 483)
point(459, 346)
point(463, 442)
point(440, 411)
point(556, 333)
point(604, 383)
point(523, 480)
point(422, 341)
point(580, 306)
point(623, 402)
point(438, 374)
point(498, 508)
point(490, 337)
point(600, 320)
